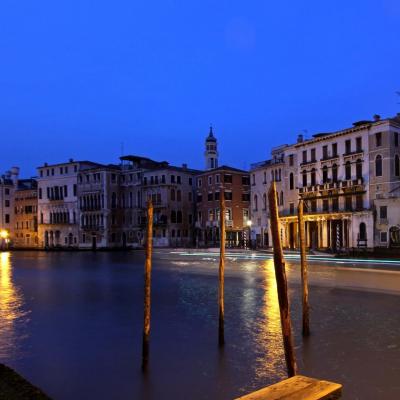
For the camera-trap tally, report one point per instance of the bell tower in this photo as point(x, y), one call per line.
point(211, 152)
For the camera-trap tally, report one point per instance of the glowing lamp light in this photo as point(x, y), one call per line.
point(3, 234)
point(249, 223)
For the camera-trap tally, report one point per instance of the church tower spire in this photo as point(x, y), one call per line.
point(211, 152)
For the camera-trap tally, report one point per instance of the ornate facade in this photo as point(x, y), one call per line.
point(349, 181)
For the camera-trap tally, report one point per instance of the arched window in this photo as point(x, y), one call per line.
point(279, 175)
point(173, 194)
point(178, 195)
point(359, 172)
point(362, 231)
point(378, 165)
point(334, 173)
point(324, 174)
point(265, 177)
point(396, 165)
point(272, 176)
point(281, 198)
point(179, 217)
point(348, 170)
point(255, 206)
point(313, 179)
point(304, 173)
point(291, 181)
point(264, 201)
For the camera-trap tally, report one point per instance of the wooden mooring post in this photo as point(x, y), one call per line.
point(304, 270)
point(147, 287)
point(281, 283)
point(221, 273)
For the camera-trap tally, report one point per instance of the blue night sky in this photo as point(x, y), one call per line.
point(79, 77)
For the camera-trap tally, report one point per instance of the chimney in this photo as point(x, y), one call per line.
point(300, 138)
point(45, 164)
point(184, 166)
point(14, 174)
point(377, 117)
point(71, 160)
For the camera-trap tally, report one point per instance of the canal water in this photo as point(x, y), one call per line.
point(71, 323)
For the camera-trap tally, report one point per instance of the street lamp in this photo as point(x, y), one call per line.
point(249, 223)
point(4, 239)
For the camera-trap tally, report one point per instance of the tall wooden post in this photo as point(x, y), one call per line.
point(147, 287)
point(304, 272)
point(281, 283)
point(221, 306)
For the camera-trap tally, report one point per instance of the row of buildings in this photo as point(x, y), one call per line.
point(87, 205)
point(349, 181)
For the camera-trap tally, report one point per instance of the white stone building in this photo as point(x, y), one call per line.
point(58, 211)
point(346, 178)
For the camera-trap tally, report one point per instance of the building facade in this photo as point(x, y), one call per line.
point(234, 185)
point(58, 211)
point(347, 179)
point(26, 214)
point(8, 186)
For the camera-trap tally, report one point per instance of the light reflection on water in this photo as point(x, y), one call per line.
point(269, 335)
point(11, 302)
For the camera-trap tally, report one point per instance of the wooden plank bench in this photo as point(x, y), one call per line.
point(298, 388)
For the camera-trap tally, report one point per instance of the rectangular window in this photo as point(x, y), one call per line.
point(358, 144)
point(325, 152)
point(245, 180)
point(228, 195)
point(7, 203)
point(383, 212)
point(396, 139)
point(304, 156)
point(245, 196)
point(216, 195)
point(7, 191)
point(75, 189)
point(378, 139)
point(325, 205)
point(335, 204)
point(210, 197)
point(314, 206)
point(348, 203)
point(348, 146)
point(40, 193)
point(291, 208)
point(334, 149)
point(199, 198)
point(291, 160)
point(313, 157)
point(172, 178)
point(7, 218)
point(178, 179)
point(359, 202)
point(190, 181)
point(217, 178)
point(227, 178)
point(199, 182)
point(383, 237)
point(66, 191)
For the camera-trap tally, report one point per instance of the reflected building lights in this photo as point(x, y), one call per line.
point(272, 362)
point(10, 308)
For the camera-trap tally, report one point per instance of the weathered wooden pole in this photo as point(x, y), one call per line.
point(221, 306)
point(304, 272)
point(281, 283)
point(147, 287)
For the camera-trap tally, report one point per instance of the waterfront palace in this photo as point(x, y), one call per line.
point(349, 181)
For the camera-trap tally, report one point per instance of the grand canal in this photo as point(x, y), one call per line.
point(72, 322)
